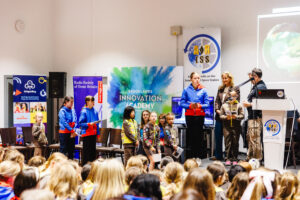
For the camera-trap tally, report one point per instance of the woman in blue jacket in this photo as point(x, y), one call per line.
point(89, 123)
point(195, 99)
point(67, 124)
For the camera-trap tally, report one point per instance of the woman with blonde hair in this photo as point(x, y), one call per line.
point(222, 96)
point(47, 168)
point(135, 161)
point(190, 164)
point(109, 177)
point(54, 158)
point(200, 180)
point(64, 182)
point(145, 162)
point(288, 187)
point(8, 171)
point(173, 175)
point(14, 155)
point(86, 190)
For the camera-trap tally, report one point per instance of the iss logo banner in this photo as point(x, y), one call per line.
point(202, 54)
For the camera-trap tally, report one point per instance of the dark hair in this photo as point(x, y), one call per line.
point(66, 100)
point(161, 116)
point(216, 170)
point(146, 185)
point(85, 171)
point(127, 111)
point(257, 71)
point(89, 98)
point(164, 161)
point(26, 106)
point(26, 179)
point(234, 170)
point(142, 119)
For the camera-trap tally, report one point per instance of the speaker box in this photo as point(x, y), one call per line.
point(57, 84)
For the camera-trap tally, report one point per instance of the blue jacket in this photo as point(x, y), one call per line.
point(88, 115)
point(131, 197)
point(192, 95)
point(67, 120)
point(6, 193)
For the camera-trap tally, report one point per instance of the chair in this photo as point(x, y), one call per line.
point(289, 140)
point(55, 147)
point(115, 141)
point(5, 136)
point(102, 140)
point(12, 131)
point(27, 137)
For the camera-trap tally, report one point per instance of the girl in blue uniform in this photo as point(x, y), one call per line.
point(67, 124)
point(195, 99)
point(89, 123)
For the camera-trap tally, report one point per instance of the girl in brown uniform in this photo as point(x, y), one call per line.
point(151, 139)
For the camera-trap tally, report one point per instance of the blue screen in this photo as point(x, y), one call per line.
point(179, 112)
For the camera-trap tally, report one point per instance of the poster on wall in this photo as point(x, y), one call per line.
point(202, 54)
point(144, 88)
point(88, 86)
point(29, 97)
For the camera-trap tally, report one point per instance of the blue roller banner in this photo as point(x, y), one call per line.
point(84, 86)
point(29, 97)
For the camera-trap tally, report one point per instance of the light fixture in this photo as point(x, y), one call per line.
point(286, 10)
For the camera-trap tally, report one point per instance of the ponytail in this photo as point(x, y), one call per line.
point(66, 100)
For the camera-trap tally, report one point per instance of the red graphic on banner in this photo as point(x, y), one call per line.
point(18, 92)
point(100, 91)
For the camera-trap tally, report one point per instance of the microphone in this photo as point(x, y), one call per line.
point(245, 82)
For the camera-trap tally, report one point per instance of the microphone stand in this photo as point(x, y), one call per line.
point(243, 83)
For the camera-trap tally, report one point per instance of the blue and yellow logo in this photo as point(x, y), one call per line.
point(273, 127)
point(204, 52)
point(42, 80)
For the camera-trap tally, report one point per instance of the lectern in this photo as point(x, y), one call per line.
point(274, 117)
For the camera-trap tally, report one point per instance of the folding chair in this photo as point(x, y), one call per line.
point(115, 141)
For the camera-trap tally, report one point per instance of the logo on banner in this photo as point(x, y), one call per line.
point(43, 93)
point(18, 80)
point(42, 80)
point(29, 85)
point(272, 127)
point(203, 52)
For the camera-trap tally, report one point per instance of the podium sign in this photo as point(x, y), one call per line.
point(273, 126)
point(274, 116)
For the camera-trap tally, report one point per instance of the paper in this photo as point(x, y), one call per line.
point(178, 153)
point(96, 122)
point(157, 157)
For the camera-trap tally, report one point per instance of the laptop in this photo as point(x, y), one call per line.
point(270, 94)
